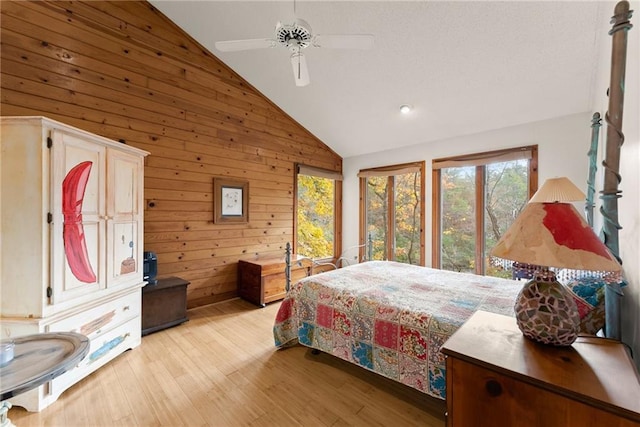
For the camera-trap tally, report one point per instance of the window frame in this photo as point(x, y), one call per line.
point(337, 207)
point(390, 171)
point(480, 160)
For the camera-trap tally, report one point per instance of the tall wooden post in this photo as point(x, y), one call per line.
point(615, 138)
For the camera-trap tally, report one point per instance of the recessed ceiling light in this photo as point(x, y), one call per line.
point(405, 108)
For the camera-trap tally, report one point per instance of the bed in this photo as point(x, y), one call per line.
point(388, 317)
point(392, 318)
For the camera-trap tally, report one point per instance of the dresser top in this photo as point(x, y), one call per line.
point(278, 261)
point(596, 371)
point(164, 283)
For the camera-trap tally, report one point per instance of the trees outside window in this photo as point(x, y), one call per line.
point(392, 213)
point(476, 198)
point(458, 233)
point(317, 206)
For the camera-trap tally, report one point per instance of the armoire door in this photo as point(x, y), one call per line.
point(78, 216)
point(124, 241)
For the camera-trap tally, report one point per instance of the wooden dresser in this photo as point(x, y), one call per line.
point(263, 280)
point(497, 377)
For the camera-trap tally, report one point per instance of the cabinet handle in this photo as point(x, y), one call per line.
point(493, 387)
point(125, 308)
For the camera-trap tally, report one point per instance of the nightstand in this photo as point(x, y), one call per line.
point(497, 377)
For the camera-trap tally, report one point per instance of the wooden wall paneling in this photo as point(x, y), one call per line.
point(122, 70)
point(177, 70)
point(28, 19)
point(68, 91)
point(223, 248)
point(125, 20)
point(33, 53)
point(209, 79)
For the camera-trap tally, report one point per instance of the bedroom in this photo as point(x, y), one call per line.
point(93, 74)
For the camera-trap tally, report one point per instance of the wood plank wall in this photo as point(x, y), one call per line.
point(124, 71)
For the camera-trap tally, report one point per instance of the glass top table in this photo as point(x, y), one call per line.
point(38, 358)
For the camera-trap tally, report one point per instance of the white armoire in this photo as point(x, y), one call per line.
point(72, 239)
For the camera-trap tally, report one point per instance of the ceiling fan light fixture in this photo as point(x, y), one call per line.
point(406, 108)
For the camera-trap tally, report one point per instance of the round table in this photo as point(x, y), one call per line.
point(38, 358)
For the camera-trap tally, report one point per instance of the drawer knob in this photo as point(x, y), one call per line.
point(125, 308)
point(494, 388)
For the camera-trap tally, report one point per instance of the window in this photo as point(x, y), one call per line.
point(317, 207)
point(392, 213)
point(475, 199)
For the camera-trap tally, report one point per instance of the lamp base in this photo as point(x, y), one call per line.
point(546, 312)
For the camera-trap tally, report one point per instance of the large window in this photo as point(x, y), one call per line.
point(317, 210)
point(475, 199)
point(392, 213)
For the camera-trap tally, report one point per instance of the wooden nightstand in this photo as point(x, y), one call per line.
point(497, 377)
point(262, 281)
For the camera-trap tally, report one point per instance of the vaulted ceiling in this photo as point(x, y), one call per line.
point(465, 67)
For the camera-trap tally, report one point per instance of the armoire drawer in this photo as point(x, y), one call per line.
point(102, 349)
point(104, 317)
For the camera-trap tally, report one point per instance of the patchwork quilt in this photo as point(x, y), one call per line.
point(388, 317)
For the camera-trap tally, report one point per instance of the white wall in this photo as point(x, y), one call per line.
point(629, 204)
point(563, 144)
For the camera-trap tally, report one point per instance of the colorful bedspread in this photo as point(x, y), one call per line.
point(388, 317)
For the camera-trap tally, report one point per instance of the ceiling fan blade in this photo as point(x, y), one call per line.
point(236, 45)
point(300, 70)
point(344, 41)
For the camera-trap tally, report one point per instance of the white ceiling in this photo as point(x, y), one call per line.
point(465, 67)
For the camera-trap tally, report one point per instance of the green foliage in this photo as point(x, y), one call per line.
point(505, 194)
point(407, 218)
point(377, 213)
point(405, 214)
point(316, 217)
point(458, 219)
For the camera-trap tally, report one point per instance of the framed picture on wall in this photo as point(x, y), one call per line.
point(230, 201)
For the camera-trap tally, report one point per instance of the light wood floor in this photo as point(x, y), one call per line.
point(221, 369)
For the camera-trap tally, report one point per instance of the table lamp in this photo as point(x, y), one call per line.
point(550, 232)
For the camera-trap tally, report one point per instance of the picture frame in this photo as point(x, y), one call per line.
point(230, 201)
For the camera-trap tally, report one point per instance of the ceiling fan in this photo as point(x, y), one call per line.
point(296, 37)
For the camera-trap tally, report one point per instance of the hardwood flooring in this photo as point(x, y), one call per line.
point(221, 369)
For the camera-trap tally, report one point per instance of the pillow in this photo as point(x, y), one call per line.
point(588, 293)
